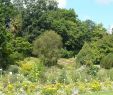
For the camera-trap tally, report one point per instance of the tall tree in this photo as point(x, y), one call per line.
point(34, 16)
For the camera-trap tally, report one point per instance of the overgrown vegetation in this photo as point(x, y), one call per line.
point(46, 50)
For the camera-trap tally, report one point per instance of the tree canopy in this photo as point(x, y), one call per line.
point(47, 46)
point(25, 21)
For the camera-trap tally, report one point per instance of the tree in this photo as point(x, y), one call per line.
point(34, 17)
point(3, 51)
point(19, 4)
point(18, 48)
point(65, 25)
point(7, 11)
point(87, 55)
point(47, 46)
point(107, 61)
point(96, 50)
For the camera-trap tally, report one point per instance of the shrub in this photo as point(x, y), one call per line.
point(110, 73)
point(63, 77)
point(13, 69)
point(47, 47)
point(19, 48)
point(107, 61)
point(82, 75)
point(36, 72)
point(93, 70)
point(66, 53)
point(49, 90)
point(86, 56)
point(95, 85)
point(26, 66)
point(52, 74)
point(32, 68)
point(95, 51)
point(81, 86)
point(102, 74)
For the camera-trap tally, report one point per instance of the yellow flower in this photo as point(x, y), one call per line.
point(49, 89)
point(95, 85)
point(10, 87)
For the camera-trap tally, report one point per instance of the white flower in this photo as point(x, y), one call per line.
point(0, 69)
point(75, 92)
point(10, 73)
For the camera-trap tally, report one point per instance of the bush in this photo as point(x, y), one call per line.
point(93, 70)
point(13, 69)
point(19, 48)
point(36, 72)
point(102, 74)
point(47, 47)
point(26, 65)
point(49, 90)
point(63, 77)
point(66, 53)
point(107, 61)
point(86, 56)
point(110, 73)
point(95, 51)
point(32, 68)
point(95, 85)
point(52, 74)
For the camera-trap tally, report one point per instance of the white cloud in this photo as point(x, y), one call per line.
point(104, 2)
point(62, 3)
point(110, 30)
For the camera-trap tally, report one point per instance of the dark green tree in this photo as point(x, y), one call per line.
point(35, 20)
point(95, 51)
point(18, 48)
point(3, 51)
point(107, 61)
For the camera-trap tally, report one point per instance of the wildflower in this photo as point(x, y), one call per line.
point(75, 91)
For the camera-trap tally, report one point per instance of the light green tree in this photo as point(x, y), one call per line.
point(47, 46)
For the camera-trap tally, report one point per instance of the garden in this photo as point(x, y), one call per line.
point(42, 53)
point(33, 78)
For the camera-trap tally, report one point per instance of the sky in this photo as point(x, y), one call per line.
point(100, 11)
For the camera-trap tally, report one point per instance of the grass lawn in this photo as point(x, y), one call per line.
point(99, 93)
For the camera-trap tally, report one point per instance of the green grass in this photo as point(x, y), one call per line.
point(99, 93)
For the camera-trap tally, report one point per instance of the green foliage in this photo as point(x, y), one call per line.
point(95, 85)
point(66, 53)
point(107, 61)
point(18, 48)
point(54, 33)
point(63, 77)
point(49, 90)
point(36, 73)
point(90, 33)
point(47, 47)
point(93, 52)
point(66, 25)
point(32, 68)
point(4, 55)
point(86, 56)
point(13, 68)
point(29, 19)
point(35, 18)
point(93, 70)
point(73, 31)
point(6, 10)
point(25, 66)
